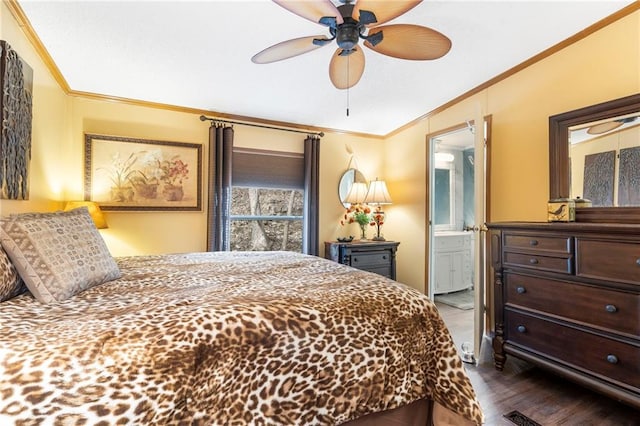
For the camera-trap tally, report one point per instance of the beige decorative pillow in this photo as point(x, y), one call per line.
point(10, 283)
point(57, 254)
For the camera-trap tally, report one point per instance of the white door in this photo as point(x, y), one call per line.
point(468, 143)
point(479, 273)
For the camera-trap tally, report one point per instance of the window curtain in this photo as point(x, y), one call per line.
point(311, 189)
point(220, 154)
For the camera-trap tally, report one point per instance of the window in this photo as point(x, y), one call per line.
point(267, 200)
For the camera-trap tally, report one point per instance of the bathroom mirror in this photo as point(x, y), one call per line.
point(616, 126)
point(348, 178)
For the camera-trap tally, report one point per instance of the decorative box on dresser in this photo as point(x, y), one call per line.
point(567, 298)
point(372, 256)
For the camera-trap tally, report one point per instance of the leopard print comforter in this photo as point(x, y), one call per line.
point(234, 338)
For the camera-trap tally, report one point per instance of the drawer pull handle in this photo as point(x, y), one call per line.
point(533, 242)
point(612, 359)
point(521, 290)
point(533, 261)
point(611, 309)
point(384, 257)
point(521, 329)
point(638, 262)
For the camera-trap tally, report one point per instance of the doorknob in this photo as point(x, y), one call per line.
point(477, 228)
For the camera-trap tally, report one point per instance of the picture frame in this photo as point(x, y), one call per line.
point(131, 174)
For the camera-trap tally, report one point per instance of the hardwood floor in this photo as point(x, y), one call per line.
point(536, 393)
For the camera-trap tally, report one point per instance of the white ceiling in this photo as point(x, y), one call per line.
point(197, 54)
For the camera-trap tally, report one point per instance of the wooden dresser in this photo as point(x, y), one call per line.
point(372, 256)
point(567, 298)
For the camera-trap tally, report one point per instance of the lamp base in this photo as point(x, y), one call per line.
point(378, 239)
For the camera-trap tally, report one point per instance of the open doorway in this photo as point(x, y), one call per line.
point(456, 182)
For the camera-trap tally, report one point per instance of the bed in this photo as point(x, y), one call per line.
point(222, 338)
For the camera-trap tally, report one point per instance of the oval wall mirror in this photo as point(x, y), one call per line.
point(348, 178)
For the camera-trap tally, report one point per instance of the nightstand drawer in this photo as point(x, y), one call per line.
point(538, 243)
point(371, 259)
point(608, 260)
point(598, 307)
point(535, 261)
point(590, 352)
point(380, 270)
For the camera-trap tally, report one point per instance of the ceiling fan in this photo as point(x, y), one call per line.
point(350, 22)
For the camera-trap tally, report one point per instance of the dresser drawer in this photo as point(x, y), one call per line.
point(613, 310)
point(613, 359)
point(535, 261)
point(608, 260)
point(538, 243)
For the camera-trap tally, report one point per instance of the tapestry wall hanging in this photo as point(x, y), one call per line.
point(16, 80)
point(629, 178)
point(139, 174)
point(598, 178)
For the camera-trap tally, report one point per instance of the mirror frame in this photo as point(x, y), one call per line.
point(559, 161)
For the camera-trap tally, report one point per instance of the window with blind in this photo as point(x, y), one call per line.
point(267, 200)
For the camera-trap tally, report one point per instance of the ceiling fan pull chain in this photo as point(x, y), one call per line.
point(347, 102)
point(348, 85)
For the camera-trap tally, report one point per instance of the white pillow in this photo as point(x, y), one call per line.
point(57, 254)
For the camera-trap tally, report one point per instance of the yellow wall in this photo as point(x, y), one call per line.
point(57, 163)
point(50, 133)
point(132, 233)
point(601, 67)
point(604, 66)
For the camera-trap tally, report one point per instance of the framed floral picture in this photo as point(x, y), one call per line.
point(138, 174)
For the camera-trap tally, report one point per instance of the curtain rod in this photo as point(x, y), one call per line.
point(214, 120)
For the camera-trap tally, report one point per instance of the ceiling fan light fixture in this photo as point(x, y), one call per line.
point(348, 35)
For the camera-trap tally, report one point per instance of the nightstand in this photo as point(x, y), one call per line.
point(372, 256)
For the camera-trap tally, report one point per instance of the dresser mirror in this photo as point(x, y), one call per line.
point(346, 181)
point(594, 152)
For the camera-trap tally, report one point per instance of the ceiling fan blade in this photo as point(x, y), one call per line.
point(289, 49)
point(345, 70)
point(312, 10)
point(384, 10)
point(413, 42)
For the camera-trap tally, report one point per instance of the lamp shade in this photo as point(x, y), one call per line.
point(357, 193)
point(378, 193)
point(94, 211)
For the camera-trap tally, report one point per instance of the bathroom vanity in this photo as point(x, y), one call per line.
point(452, 260)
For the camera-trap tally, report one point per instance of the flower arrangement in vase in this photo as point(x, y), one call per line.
point(357, 213)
